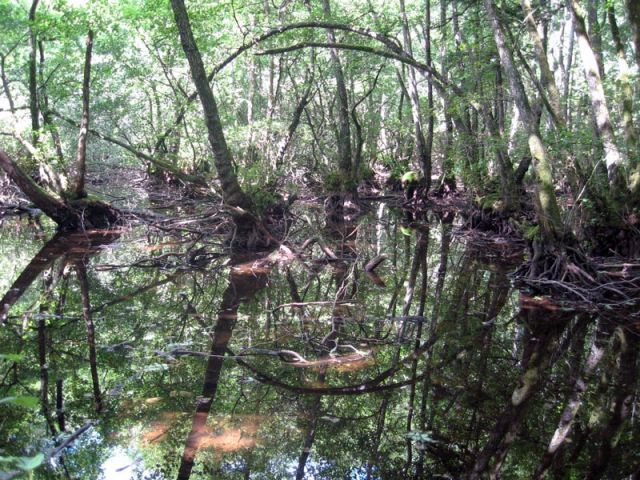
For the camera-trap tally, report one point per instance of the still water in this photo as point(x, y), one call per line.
point(366, 349)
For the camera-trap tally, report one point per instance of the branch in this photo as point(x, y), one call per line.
point(390, 43)
point(196, 180)
point(372, 385)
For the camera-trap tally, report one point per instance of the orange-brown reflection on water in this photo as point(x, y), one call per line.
point(158, 430)
point(224, 434)
point(227, 434)
point(344, 363)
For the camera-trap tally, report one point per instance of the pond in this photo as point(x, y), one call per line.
point(367, 348)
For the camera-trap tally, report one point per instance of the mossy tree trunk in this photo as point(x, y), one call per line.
point(232, 193)
point(547, 210)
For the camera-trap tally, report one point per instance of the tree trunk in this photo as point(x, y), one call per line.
point(81, 271)
point(599, 107)
point(344, 129)
point(59, 212)
point(574, 402)
point(5, 84)
point(81, 155)
point(231, 190)
point(624, 80)
point(421, 147)
point(594, 33)
point(548, 212)
point(46, 113)
point(566, 81)
point(548, 80)
point(621, 404)
point(448, 179)
point(33, 86)
point(293, 126)
point(633, 12)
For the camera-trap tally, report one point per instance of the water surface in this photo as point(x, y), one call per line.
point(157, 353)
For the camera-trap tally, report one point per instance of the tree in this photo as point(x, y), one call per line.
point(231, 190)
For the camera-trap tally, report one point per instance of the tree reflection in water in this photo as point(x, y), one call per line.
point(298, 363)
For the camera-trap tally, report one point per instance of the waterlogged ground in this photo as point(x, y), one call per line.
point(154, 353)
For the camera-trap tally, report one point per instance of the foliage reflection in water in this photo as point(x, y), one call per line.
point(360, 349)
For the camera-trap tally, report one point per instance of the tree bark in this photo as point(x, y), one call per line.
point(5, 84)
point(344, 130)
point(421, 147)
point(624, 81)
point(548, 212)
point(81, 154)
point(241, 287)
point(599, 107)
point(621, 405)
point(46, 113)
point(59, 212)
point(81, 271)
point(633, 12)
point(293, 126)
point(33, 85)
point(574, 402)
point(231, 191)
point(548, 80)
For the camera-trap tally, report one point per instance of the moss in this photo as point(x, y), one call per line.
point(531, 232)
point(262, 199)
point(491, 201)
point(332, 182)
point(410, 177)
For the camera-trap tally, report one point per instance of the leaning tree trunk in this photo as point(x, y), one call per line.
point(58, 211)
point(231, 191)
point(548, 212)
point(73, 215)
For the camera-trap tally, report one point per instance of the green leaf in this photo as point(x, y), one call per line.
point(29, 463)
point(13, 357)
point(406, 231)
point(24, 401)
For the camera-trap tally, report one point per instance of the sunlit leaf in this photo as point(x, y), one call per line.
point(29, 463)
point(24, 401)
point(13, 357)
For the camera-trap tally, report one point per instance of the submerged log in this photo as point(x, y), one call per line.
point(84, 213)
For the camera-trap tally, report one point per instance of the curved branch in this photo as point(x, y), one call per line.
point(372, 385)
point(196, 180)
point(390, 43)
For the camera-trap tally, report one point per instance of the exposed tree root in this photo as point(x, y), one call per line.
point(567, 272)
point(491, 221)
